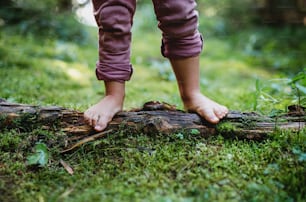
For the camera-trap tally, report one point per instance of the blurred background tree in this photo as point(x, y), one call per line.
point(264, 30)
point(258, 27)
point(52, 18)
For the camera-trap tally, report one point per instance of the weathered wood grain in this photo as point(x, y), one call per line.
point(150, 120)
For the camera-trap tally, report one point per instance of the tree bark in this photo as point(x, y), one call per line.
point(150, 120)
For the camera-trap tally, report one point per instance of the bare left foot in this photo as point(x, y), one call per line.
point(187, 74)
point(100, 114)
point(206, 108)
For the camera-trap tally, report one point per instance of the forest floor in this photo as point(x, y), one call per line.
point(137, 167)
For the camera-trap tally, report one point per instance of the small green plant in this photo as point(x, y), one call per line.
point(298, 84)
point(179, 136)
point(301, 156)
point(40, 156)
point(194, 131)
point(261, 95)
point(256, 94)
point(273, 96)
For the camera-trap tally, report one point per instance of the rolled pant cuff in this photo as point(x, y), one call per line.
point(117, 72)
point(175, 48)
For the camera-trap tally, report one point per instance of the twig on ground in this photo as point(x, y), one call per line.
point(87, 139)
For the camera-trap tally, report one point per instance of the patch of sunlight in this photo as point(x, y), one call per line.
point(233, 66)
point(210, 12)
point(75, 71)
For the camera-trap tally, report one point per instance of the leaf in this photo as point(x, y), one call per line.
point(40, 157)
point(299, 77)
point(275, 112)
point(257, 85)
point(256, 94)
point(67, 167)
point(179, 136)
point(194, 131)
point(301, 88)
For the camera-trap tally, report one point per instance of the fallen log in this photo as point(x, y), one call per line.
point(154, 117)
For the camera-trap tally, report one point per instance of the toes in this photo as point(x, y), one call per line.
point(101, 123)
point(88, 118)
point(209, 115)
point(94, 119)
point(224, 111)
point(221, 112)
point(98, 121)
point(99, 128)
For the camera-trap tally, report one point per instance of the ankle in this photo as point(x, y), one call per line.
point(189, 96)
point(115, 90)
point(115, 96)
point(114, 100)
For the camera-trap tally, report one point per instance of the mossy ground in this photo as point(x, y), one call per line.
point(135, 167)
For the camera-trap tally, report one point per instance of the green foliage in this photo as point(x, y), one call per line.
point(43, 19)
point(216, 17)
point(256, 94)
point(225, 17)
point(40, 156)
point(125, 166)
point(164, 70)
point(9, 142)
point(298, 84)
point(279, 48)
point(194, 132)
point(291, 92)
point(300, 154)
point(135, 167)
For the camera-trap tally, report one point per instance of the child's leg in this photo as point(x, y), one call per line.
point(187, 75)
point(114, 19)
point(182, 44)
point(101, 113)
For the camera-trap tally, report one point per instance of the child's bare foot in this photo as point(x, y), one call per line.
point(187, 74)
point(100, 114)
point(206, 108)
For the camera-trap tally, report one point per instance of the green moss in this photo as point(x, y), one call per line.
point(226, 128)
point(124, 166)
point(2, 120)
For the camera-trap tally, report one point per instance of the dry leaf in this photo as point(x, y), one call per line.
point(67, 167)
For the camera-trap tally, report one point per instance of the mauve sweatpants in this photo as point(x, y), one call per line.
point(178, 21)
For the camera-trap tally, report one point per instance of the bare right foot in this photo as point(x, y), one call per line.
point(100, 114)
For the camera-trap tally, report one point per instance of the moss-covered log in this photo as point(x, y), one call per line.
point(154, 117)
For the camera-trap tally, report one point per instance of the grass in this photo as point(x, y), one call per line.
point(136, 167)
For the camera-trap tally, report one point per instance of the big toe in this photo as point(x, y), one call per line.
point(101, 123)
point(209, 115)
point(99, 127)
